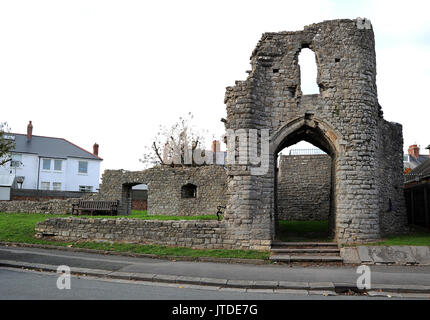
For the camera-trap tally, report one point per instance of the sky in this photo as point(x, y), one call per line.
point(111, 72)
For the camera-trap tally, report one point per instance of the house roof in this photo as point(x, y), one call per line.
point(415, 162)
point(50, 147)
point(420, 172)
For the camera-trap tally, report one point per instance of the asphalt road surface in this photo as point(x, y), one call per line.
point(33, 285)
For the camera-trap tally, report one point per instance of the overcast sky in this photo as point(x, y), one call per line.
point(112, 71)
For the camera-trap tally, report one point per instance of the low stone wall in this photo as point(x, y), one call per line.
point(208, 234)
point(36, 195)
point(26, 206)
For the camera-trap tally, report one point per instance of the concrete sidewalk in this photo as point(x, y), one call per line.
point(325, 279)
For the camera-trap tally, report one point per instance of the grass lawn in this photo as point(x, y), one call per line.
point(417, 236)
point(414, 239)
point(291, 231)
point(19, 227)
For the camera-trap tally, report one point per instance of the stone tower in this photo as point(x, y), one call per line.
point(344, 119)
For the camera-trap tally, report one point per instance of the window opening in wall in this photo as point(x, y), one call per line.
point(85, 188)
point(46, 164)
point(83, 167)
point(56, 186)
point(44, 185)
point(189, 191)
point(16, 161)
point(308, 72)
point(58, 165)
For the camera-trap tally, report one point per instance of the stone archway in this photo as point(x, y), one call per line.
point(127, 197)
point(321, 135)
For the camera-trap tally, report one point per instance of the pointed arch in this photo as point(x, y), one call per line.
point(311, 129)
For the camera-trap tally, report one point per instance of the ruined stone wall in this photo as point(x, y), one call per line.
point(392, 217)
point(49, 206)
point(344, 120)
point(193, 234)
point(304, 186)
point(164, 189)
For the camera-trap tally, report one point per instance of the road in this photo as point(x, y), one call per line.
point(21, 284)
point(33, 285)
point(405, 275)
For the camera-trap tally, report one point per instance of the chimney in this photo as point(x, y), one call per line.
point(29, 131)
point(414, 151)
point(428, 147)
point(216, 146)
point(96, 149)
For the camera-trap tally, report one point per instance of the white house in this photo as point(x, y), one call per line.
point(47, 163)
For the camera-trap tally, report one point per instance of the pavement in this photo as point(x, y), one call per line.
point(327, 280)
point(403, 255)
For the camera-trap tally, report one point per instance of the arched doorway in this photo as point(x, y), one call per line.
point(303, 193)
point(130, 193)
point(325, 139)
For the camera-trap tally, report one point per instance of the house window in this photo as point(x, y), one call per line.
point(44, 185)
point(57, 165)
point(189, 191)
point(83, 167)
point(46, 164)
point(85, 188)
point(16, 161)
point(56, 186)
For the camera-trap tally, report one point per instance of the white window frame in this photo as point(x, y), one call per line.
point(42, 183)
point(79, 167)
point(43, 164)
point(85, 188)
point(61, 164)
point(58, 188)
point(16, 160)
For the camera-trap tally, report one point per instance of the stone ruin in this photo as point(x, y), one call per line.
point(345, 120)
point(365, 152)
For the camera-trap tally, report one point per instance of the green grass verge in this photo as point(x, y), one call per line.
point(412, 239)
point(19, 227)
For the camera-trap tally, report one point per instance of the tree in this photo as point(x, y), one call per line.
point(175, 145)
point(6, 145)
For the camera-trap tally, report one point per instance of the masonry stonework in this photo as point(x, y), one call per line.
point(304, 187)
point(28, 206)
point(194, 234)
point(164, 189)
point(344, 120)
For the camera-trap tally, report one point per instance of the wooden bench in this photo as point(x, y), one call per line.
point(96, 206)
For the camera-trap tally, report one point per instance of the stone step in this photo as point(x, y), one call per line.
point(306, 250)
point(304, 245)
point(303, 258)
